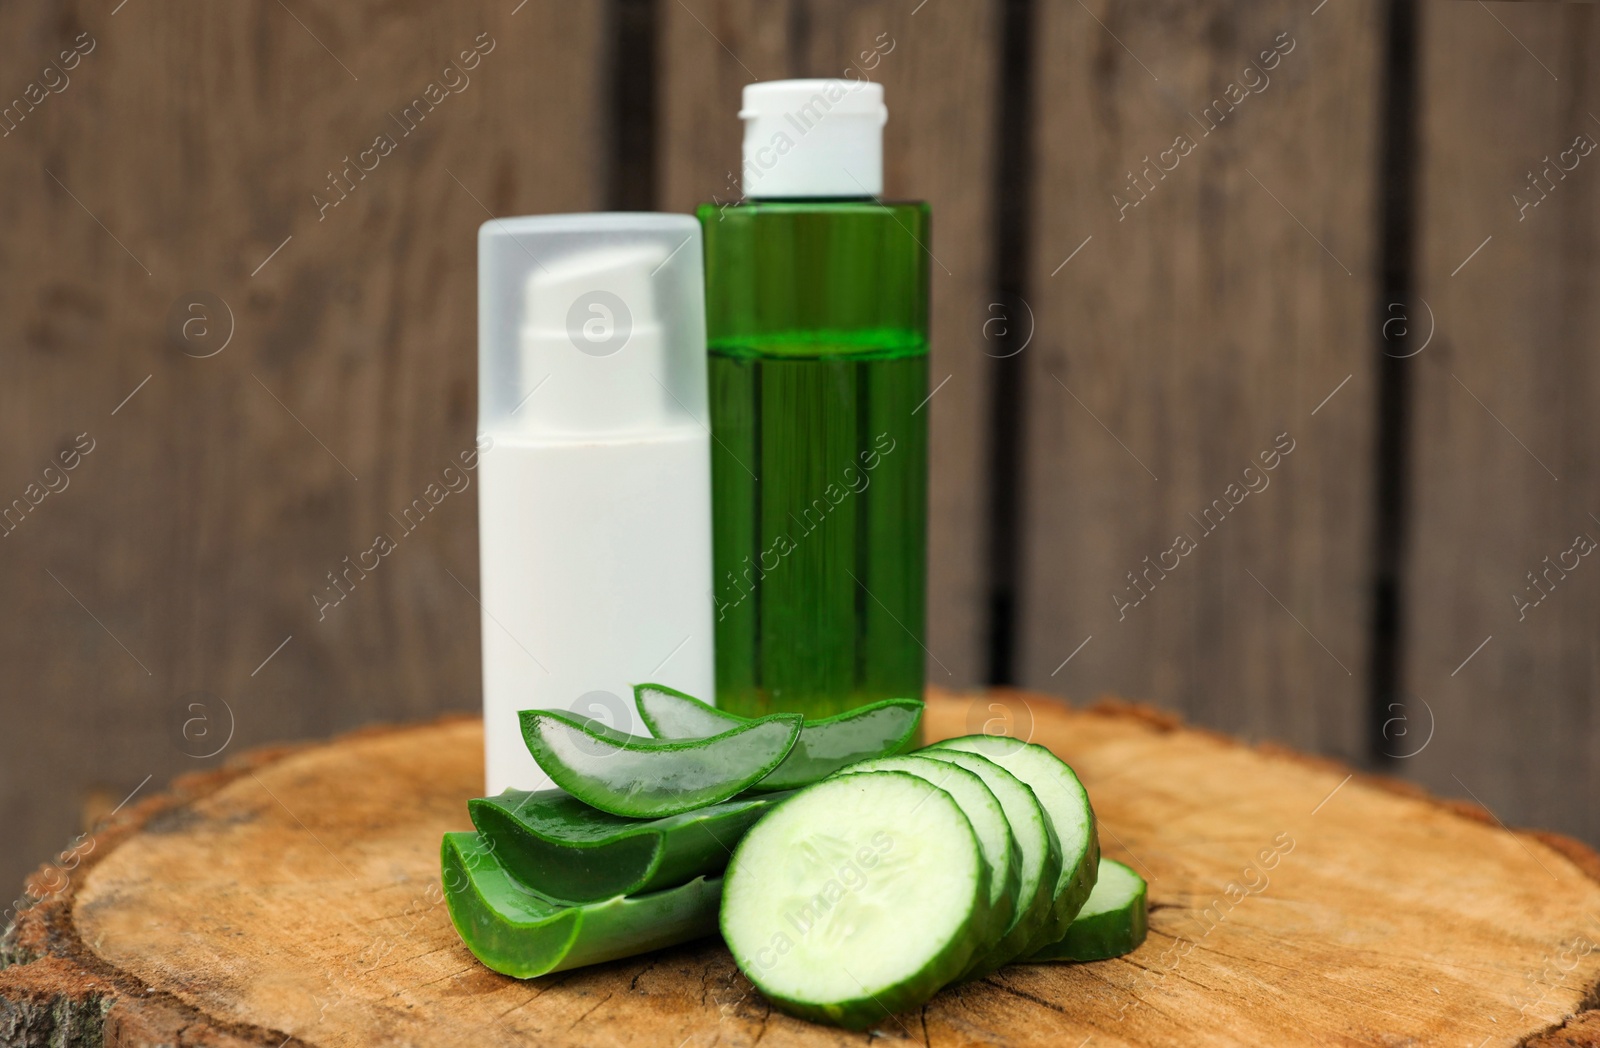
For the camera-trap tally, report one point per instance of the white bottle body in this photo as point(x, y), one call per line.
point(596, 568)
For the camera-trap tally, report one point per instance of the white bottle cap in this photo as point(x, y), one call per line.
point(590, 326)
point(813, 138)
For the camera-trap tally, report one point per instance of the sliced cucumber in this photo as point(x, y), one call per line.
point(856, 898)
point(563, 848)
point(1038, 848)
point(520, 933)
point(988, 821)
point(875, 730)
point(1066, 803)
point(648, 778)
point(1113, 922)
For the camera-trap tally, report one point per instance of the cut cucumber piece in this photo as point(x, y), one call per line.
point(1113, 922)
point(648, 778)
point(983, 811)
point(1065, 803)
point(856, 898)
point(1041, 860)
point(567, 850)
point(877, 729)
point(520, 933)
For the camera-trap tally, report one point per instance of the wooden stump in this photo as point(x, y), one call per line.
point(293, 898)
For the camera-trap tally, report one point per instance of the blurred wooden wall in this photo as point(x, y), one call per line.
point(1174, 242)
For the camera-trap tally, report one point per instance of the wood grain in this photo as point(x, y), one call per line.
point(183, 154)
point(1218, 310)
point(1506, 432)
point(939, 73)
point(1291, 903)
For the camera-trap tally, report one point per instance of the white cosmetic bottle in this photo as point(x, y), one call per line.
point(594, 493)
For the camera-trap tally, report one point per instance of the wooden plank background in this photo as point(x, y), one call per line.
point(1163, 348)
point(1507, 436)
point(1190, 333)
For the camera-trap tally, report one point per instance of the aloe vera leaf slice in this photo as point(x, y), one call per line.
point(978, 803)
point(1066, 804)
point(877, 729)
point(857, 898)
point(1113, 922)
point(1040, 853)
point(647, 778)
point(673, 714)
point(517, 932)
point(568, 850)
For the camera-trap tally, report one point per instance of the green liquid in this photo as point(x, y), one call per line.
point(818, 378)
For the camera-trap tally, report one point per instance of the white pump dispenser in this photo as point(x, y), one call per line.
point(602, 387)
point(595, 490)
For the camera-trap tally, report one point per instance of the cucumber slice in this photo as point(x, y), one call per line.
point(877, 729)
point(1065, 803)
point(856, 898)
point(648, 778)
point(520, 933)
point(563, 848)
point(1040, 853)
point(1113, 922)
point(988, 819)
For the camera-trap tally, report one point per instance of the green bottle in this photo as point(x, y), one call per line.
point(817, 322)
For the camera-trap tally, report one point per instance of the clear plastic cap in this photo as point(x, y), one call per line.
point(590, 326)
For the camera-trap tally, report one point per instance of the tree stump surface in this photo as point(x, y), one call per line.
point(292, 898)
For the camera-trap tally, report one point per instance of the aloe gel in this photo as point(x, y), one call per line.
point(817, 323)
